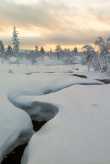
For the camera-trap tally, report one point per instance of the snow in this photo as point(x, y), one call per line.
point(80, 131)
point(15, 127)
point(77, 111)
point(23, 97)
point(15, 124)
point(26, 68)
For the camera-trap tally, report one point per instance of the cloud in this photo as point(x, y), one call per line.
point(65, 22)
point(26, 15)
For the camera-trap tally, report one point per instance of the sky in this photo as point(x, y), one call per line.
point(51, 22)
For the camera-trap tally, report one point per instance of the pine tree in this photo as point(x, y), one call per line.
point(58, 48)
point(2, 49)
point(42, 50)
point(36, 48)
point(9, 51)
point(15, 40)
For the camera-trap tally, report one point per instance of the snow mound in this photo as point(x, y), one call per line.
point(65, 131)
point(79, 133)
point(15, 127)
point(39, 111)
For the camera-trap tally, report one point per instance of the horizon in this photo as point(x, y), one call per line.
point(71, 23)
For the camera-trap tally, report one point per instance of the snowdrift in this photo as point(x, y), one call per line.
point(76, 108)
point(15, 127)
point(79, 133)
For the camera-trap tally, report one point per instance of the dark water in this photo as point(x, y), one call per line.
point(15, 156)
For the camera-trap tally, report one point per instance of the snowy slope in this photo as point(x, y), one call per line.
point(23, 96)
point(82, 115)
point(79, 133)
point(15, 127)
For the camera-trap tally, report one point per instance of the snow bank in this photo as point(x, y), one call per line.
point(79, 128)
point(15, 127)
point(23, 97)
point(29, 69)
point(79, 133)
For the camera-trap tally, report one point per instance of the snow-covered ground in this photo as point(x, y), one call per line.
point(76, 108)
point(15, 127)
point(21, 68)
point(79, 133)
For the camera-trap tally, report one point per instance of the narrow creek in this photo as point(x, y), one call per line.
point(15, 156)
point(47, 112)
point(47, 109)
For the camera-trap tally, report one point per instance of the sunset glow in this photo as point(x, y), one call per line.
point(47, 23)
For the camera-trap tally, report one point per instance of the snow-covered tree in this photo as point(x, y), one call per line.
point(9, 51)
point(2, 49)
point(58, 48)
point(98, 61)
point(42, 50)
point(102, 44)
point(92, 58)
point(58, 51)
point(108, 44)
point(89, 51)
point(75, 50)
point(36, 48)
point(15, 40)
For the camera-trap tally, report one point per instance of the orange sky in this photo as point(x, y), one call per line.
point(47, 22)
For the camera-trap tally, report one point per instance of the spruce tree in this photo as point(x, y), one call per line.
point(15, 40)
